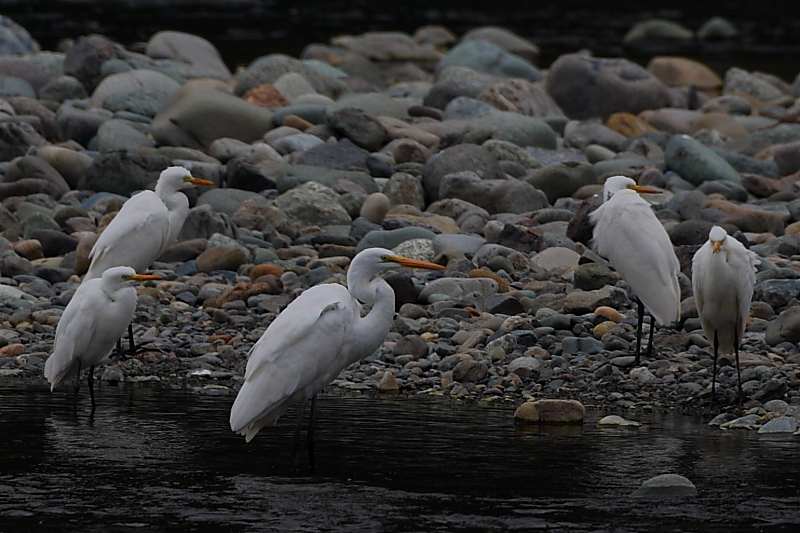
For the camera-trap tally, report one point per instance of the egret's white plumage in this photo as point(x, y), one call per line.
point(148, 223)
point(723, 277)
point(95, 318)
point(315, 338)
point(634, 241)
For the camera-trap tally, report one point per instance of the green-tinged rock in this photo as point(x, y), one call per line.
point(696, 163)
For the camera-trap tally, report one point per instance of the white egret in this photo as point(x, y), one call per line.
point(317, 336)
point(95, 318)
point(148, 223)
point(723, 277)
point(634, 241)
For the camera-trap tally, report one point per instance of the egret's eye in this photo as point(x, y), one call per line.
point(386, 259)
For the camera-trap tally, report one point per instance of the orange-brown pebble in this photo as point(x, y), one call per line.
point(629, 124)
point(297, 122)
point(266, 96)
point(221, 337)
point(12, 350)
point(502, 285)
point(602, 328)
point(610, 313)
point(29, 249)
point(265, 269)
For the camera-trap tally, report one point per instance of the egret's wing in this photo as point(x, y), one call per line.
point(699, 269)
point(134, 238)
point(631, 237)
point(743, 263)
point(300, 319)
point(74, 332)
point(295, 357)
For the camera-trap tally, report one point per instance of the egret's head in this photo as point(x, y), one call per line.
point(123, 275)
point(373, 261)
point(717, 236)
point(176, 178)
point(614, 184)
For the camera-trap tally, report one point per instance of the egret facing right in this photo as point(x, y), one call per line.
point(317, 336)
point(628, 233)
point(94, 319)
point(723, 277)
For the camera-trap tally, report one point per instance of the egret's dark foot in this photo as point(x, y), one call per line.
point(119, 353)
point(310, 435)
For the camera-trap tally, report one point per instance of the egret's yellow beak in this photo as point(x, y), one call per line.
point(643, 190)
point(414, 263)
point(197, 181)
point(715, 245)
point(142, 277)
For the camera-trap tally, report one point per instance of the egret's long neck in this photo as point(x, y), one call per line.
point(369, 332)
point(178, 206)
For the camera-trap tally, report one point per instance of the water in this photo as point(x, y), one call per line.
point(245, 29)
point(157, 460)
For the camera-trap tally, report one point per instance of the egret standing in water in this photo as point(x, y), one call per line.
point(317, 336)
point(147, 224)
point(628, 233)
point(723, 277)
point(95, 318)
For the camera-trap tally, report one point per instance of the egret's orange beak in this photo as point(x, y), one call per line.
point(414, 263)
point(715, 245)
point(145, 277)
point(200, 181)
point(644, 190)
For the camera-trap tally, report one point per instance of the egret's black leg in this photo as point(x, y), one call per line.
point(77, 386)
point(652, 330)
point(91, 386)
point(639, 332)
point(736, 353)
point(714, 373)
point(131, 344)
point(310, 433)
point(296, 436)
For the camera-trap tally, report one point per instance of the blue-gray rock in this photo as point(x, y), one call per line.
point(761, 139)
point(313, 113)
point(16, 138)
point(14, 86)
point(717, 28)
point(187, 48)
point(242, 174)
point(14, 39)
point(784, 328)
point(656, 29)
point(464, 108)
point(489, 58)
point(458, 158)
point(202, 223)
point(560, 180)
point(54, 241)
point(63, 88)
point(118, 134)
point(505, 126)
point(196, 115)
point(744, 164)
point(666, 486)
point(779, 425)
point(299, 142)
point(123, 172)
point(587, 87)
point(391, 238)
point(33, 167)
point(696, 163)
point(740, 81)
point(361, 128)
point(267, 69)
point(79, 124)
point(313, 204)
point(444, 91)
point(787, 158)
point(777, 292)
point(458, 287)
point(342, 155)
point(140, 91)
point(467, 244)
point(85, 59)
point(288, 176)
point(228, 200)
point(502, 304)
point(496, 196)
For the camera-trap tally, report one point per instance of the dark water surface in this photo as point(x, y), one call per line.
point(155, 460)
point(246, 29)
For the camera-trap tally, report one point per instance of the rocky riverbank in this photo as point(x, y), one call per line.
point(454, 150)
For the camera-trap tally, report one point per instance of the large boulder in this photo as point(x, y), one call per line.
point(489, 58)
point(313, 204)
point(140, 91)
point(496, 196)
point(189, 49)
point(587, 87)
point(122, 172)
point(458, 158)
point(195, 116)
point(14, 39)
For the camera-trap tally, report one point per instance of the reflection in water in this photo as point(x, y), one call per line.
point(166, 461)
